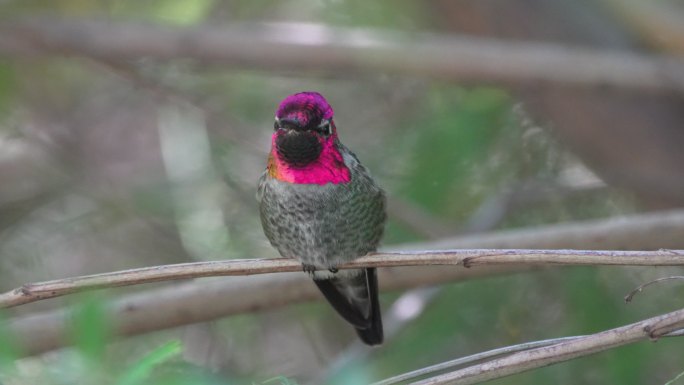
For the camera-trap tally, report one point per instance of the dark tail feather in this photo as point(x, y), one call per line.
point(340, 303)
point(372, 335)
point(363, 311)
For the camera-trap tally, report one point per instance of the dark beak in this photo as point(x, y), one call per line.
point(290, 124)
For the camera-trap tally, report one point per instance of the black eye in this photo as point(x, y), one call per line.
point(275, 126)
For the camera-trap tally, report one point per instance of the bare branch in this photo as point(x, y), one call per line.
point(638, 289)
point(472, 257)
point(488, 354)
point(472, 358)
point(206, 300)
point(306, 47)
point(651, 328)
point(210, 299)
point(643, 231)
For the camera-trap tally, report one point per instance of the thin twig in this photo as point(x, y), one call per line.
point(488, 354)
point(307, 47)
point(651, 328)
point(672, 381)
point(472, 358)
point(469, 258)
point(638, 289)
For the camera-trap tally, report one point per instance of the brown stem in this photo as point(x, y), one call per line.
point(32, 292)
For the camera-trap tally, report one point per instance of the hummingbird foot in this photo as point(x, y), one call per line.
point(309, 269)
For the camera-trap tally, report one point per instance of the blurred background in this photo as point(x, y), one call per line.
point(132, 133)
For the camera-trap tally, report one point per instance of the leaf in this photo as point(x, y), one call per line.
point(9, 351)
point(90, 327)
point(140, 371)
point(282, 381)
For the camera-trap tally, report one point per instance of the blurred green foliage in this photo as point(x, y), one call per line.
point(7, 87)
point(140, 371)
point(9, 351)
point(403, 14)
point(89, 327)
point(458, 129)
point(91, 363)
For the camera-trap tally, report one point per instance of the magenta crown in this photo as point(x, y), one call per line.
point(307, 107)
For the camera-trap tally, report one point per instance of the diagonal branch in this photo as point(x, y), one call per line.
point(307, 47)
point(468, 258)
point(423, 372)
point(490, 354)
point(651, 328)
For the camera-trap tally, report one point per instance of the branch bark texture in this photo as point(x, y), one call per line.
point(313, 47)
point(467, 258)
point(209, 299)
point(651, 328)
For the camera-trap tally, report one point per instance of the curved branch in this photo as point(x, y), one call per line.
point(468, 258)
point(640, 288)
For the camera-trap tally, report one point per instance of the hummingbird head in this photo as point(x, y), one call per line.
point(305, 148)
point(303, 125)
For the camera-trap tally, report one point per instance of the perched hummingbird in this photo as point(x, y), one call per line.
point(319, 205)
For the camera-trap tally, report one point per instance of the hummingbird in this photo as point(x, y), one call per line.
point(319, 205)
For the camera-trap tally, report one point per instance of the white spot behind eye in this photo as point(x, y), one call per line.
point(325, 125)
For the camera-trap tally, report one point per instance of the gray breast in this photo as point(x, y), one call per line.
point(323, 225)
